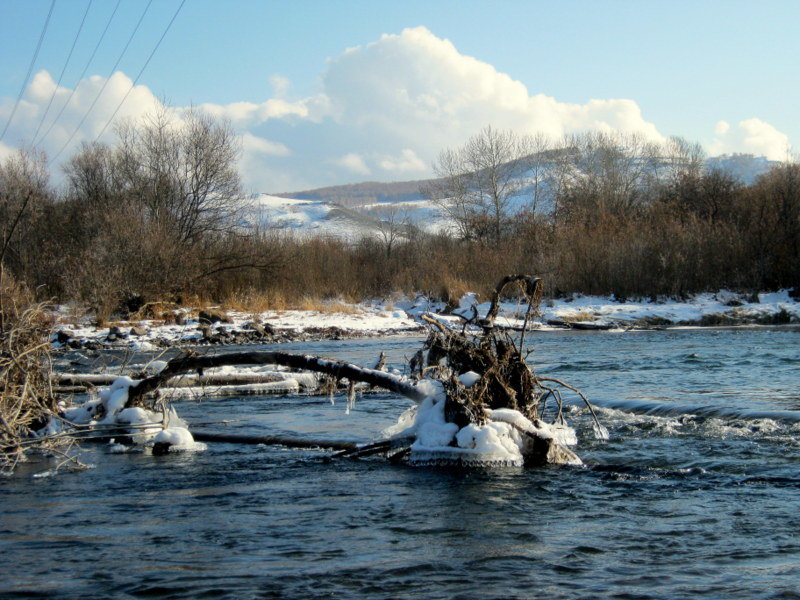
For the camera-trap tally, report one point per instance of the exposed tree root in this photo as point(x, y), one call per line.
point(480, 366)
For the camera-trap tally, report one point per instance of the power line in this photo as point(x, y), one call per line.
point(105, 83)
point(83, 73)
point(135, 81)
point(30, 70)
point(61, 76)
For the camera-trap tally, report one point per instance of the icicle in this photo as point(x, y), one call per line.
point(600, 432)
point(351, 397)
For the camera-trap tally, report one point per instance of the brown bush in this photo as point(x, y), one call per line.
point(26, 397)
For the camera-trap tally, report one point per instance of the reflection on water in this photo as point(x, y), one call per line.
point(695, 494)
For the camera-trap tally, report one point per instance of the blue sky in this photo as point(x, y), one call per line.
point(420, 76)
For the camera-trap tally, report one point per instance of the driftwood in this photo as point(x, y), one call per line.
point(271, 440)
point(481, 367)
point(504, 379)
point(86, 380)
point(335, 368)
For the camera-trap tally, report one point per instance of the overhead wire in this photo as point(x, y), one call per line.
point(83, 73)
point(102, 89)
point(63, 70)
point(30, 70)
point(135, 81)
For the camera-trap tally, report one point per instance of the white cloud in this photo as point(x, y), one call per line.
point(416, 88)
point(74, 121)
point(751, 136)
point(258, 145)
point(407, 162)
point(280, 85)
point(248, 114)
point(387, 108)
point(6, 151)
point(352, 162)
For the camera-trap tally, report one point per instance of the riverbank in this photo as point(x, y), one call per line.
point(192, 326)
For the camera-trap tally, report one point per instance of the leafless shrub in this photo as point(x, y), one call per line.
point(26, 397)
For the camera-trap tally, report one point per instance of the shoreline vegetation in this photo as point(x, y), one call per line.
point(167, 325)
point(160, 215)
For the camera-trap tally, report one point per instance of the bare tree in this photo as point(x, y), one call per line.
point(24, 195)
point(607, 173)
point(775, 207)
point(90, 175)
point(478, 183)
point(158, 213)
point(393, 224)
point(182, 173)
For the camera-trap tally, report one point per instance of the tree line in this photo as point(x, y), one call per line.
point(623, 215)
point(157, 215)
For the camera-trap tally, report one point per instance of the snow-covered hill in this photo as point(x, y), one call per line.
point(320, 218)
point(353, 211)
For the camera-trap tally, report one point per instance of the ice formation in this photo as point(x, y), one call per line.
point(141, 425)
point(502, 441)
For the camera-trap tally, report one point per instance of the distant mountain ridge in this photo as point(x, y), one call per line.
point(745, 167)
point(368, 192)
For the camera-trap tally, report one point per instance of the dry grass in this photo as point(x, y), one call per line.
point(580, 317)
point(327, 307)
point(256, 304)
point(453, 289)
point(26, 396)
point(253, 302)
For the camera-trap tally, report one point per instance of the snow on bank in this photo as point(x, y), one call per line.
point(699, 310)
point(281, 325)
point(403, 317)
point(722, 308)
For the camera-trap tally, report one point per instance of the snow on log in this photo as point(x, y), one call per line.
point(339, 369)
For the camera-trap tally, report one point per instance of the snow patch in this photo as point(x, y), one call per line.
point(179, 438)
point(500, 441)
point(469, 378)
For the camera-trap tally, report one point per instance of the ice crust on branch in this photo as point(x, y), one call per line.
point(478, 402)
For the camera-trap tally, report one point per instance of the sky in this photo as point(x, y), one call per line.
point(326, 93)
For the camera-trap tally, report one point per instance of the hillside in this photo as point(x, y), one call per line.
point(315, 217)
point(745, 167)
point(368, 192)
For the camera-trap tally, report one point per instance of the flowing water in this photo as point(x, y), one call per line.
point(696, 494)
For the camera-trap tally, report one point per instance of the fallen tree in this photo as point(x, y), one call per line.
point(477, 401)
point(190, 361)
point(474, 373)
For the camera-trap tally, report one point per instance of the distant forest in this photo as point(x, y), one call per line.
point(155, 216)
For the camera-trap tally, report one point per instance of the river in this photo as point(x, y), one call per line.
point(696, 493)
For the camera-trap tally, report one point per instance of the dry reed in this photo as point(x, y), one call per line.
point(26, 397)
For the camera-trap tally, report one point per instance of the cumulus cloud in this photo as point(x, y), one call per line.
point(258, 145)
point(385, 109)
point(414, 86)
point(248, 114)
point(408, 162)
point(751, 136)
point(76, 123)
point(352, 162)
